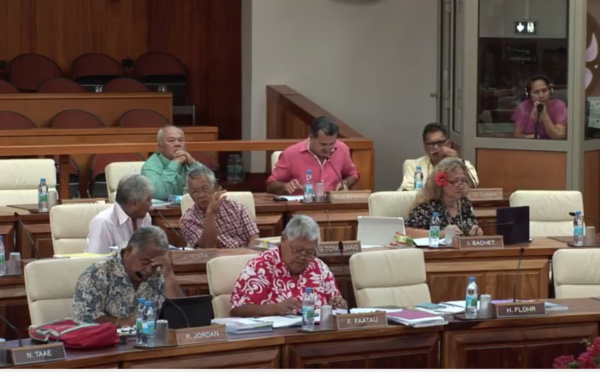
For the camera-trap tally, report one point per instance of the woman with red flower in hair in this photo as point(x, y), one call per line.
point(444, 192)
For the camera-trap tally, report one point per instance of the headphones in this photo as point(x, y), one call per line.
point(535, 78)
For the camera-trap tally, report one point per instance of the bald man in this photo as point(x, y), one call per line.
point(167, 169)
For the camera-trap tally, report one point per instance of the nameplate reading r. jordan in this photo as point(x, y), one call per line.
point(365, 320)
point(198, 335)
point(328, 249)
point(481, 242)
point(37, 353)
point(520, 309)
point(349, 196)
point(197, 256)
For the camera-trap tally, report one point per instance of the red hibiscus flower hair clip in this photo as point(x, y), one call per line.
point(441, 179)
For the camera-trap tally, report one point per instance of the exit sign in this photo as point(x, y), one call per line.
point(525, 27)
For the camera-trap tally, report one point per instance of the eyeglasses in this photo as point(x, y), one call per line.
point(303, 252)
point(459, 182)
point(432, 145)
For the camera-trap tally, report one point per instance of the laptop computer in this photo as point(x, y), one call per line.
point(377, 231)
point(198, 310)
point(513, 224)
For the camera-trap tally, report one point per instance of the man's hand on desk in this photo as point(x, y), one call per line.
point(338, 303)
point(342, 186)
point(291, 306)
point(292, 186)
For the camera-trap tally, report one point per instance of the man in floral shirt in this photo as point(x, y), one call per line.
point(274, 282)
point(108, 290)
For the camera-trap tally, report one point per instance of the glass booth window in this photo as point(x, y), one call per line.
point(523, 69)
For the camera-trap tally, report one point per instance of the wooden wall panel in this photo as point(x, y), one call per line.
point(591, 185)
point(522, 170)
point(204, 34)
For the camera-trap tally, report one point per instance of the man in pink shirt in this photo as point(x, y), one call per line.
point(327, 158)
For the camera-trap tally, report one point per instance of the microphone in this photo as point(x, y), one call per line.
point(12, 326)
point(338, 174)
point(27, 234)
point(471, 178)
point(539, 108)
point(344, 288)
point(173, 230)
point(142, 278)
point(521, 253)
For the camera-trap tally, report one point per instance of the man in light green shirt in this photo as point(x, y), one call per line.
point(167, 169)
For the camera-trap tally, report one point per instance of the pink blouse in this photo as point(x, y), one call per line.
point(557, 110)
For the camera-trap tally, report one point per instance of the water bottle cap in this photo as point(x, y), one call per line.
point(148, 303)
point(418, 167)
point(436, 214)
point(309, 172)
point(42, 179)
point(308, 290)
point(142, 300)
point(471, 279)
point(577, 212)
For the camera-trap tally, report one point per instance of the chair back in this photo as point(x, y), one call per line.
point(143, 118)
point(576, 273)
point(50, 286)
point(116, 171)
point(60, 85)
point(19, 179)
point(407, 164)
point(7, 88)
point(222, 273)
point(70, 225)
point(245, 198)
point(75, 118)
point(392, 203)
point(96, 65)
point(274, 158)
point(125, 85)
point(29, 70)
point(158, 64)
point(549, 210)
point(400, 278)
point(13, 120)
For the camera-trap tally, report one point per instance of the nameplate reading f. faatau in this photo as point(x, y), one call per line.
point(481, 242)
point(486, 194)
point(198, 335)
point(520, 309)
point(197, 256)
point(37, 353)
point(328, 249)
point(349, 196)
point(365, 320)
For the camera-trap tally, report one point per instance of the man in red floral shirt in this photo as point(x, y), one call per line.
point(274, 282)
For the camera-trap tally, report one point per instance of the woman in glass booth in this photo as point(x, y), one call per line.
point(540, 116)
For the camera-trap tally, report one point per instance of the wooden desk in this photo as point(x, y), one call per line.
point(389, 347)
point(532, 342)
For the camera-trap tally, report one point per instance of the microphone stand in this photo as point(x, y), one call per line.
point(185, 318)
point(539, 108)
point(521, 253)
point(171, 228)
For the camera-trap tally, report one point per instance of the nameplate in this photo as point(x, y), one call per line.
point(37, 353)
point(198, 335)
point(367, 320)
point(486, 194)
point(349, 196)
point(480, 242)
point(197, 256)
point(328, 249)
point(520, 309)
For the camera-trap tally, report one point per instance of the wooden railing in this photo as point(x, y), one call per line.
point(289, 115)
point(361, 152)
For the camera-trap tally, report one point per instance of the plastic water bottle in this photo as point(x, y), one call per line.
point(239, 169)
point(471, 299)
point(308, 310)
point(139, 321)
point(43, 196)
point(149, 324)
point(418, 178)
point(308, 187)
point(434, 230)
point(578, 229)
point(2, 258)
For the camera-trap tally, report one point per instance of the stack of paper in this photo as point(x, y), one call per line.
point(441, 309)
point(81, 255)
point(244, 325)
point(416, 318)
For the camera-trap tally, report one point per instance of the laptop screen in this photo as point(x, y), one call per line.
point(198, 310)
point(513, 224)
point(379, 230)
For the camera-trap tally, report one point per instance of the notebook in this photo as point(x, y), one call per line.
point(416, 318)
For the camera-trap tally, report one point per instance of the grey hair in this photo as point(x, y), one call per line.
point(159, 135)
point(149, 235)
point(303, 227)
point(201, 170)
point(133, 187)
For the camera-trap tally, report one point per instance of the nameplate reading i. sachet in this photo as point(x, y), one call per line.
point(481, 242)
